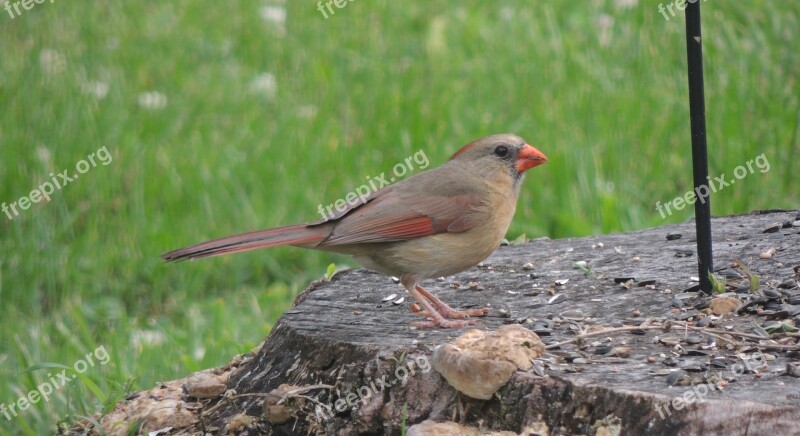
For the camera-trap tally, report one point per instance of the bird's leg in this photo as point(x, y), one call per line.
point(435, 317)
point(447, 311)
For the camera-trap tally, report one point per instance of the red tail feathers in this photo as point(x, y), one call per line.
point(288, 235)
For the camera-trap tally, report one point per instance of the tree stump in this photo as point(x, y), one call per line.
point(345, 360)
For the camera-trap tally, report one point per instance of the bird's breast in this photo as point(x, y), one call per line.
point(446, 254)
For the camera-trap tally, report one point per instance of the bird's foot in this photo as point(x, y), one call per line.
point(447, 311)
point(433, 323)
point(440, 314)
point(450, 313)
point(447, 317)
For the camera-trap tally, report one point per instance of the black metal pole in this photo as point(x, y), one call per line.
point(697, 111)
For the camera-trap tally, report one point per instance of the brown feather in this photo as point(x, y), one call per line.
point(287, 235)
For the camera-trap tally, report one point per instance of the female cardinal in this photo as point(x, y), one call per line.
point(436, 223)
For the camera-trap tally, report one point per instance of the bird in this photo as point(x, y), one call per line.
point(435, 223)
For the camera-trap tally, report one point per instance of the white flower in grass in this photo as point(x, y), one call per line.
point(141, 338)
point(307, 111)
point(507, 13)
point(44, 155)
point(264, 84)
point(625, 4)
point(604, 23)
point(152, 100)
point(95, 88)
point(274, 16)
point(52, 61)
point(199, 353)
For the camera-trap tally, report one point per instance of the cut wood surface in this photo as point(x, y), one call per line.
point(342, 342)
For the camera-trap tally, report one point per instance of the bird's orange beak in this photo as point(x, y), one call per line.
point(528, 158)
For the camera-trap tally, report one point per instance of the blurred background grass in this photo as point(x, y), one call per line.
point(223, 118)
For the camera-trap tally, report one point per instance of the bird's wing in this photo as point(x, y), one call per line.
point(399, 217)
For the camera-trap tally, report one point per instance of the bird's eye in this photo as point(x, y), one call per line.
point(501, 151)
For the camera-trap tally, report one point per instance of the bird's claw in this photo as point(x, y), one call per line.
point(447, 317)
point(440, 314)
point(450, 313)
point(443, 323)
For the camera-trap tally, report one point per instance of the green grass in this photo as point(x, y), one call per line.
point(599, 87)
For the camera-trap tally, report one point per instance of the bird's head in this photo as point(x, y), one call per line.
point(505, 152)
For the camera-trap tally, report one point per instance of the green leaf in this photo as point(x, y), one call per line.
point(717, 285)
point(783, 327)
point(330, 272)
point(587, 269)
point(755, 280)
point(521, 239)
